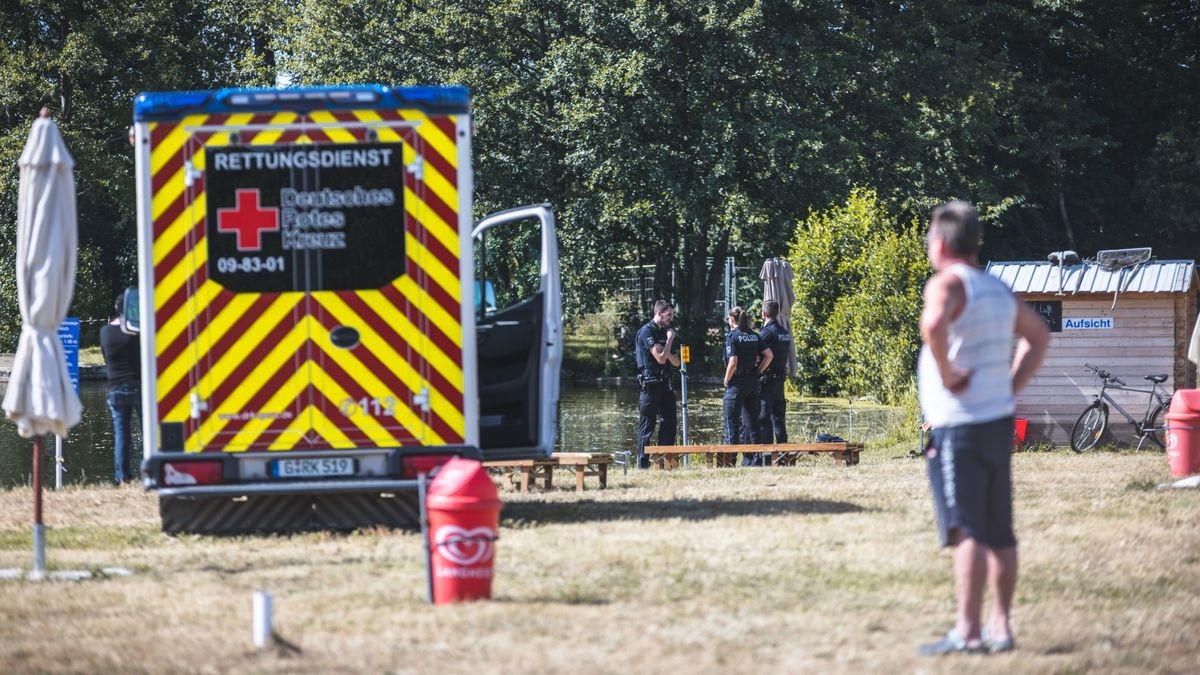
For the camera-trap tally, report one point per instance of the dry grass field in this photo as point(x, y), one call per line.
point(815, 568)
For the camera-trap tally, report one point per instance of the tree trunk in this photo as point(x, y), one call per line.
point(1062, 209)
point(64, 78)
point(266, 56)
point(700, 283)
point(1060, 171)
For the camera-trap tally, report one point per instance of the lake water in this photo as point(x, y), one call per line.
point(594, 418)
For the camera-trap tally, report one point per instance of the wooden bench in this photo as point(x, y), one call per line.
point(782, 454)
point(528, 471)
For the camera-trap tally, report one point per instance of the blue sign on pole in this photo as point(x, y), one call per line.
point(68, 334)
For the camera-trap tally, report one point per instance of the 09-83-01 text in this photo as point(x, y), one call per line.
point(251, 264)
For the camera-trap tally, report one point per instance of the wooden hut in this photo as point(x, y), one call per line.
point(1131, 322)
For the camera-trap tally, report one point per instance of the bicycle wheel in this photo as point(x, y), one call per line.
point(1157, 429)
point(1089, 427)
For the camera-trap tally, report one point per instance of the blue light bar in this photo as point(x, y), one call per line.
point(450, 100)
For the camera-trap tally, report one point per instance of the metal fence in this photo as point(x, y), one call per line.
point(737, 281)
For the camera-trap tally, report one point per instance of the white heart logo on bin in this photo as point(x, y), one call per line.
point(465, 547)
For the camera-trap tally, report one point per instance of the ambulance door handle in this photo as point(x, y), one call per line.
point(196, 405)
point(421, 399)
point(190, 174)
point(417, 168)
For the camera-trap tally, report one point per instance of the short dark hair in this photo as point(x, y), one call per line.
point(957, 223)
point(119, 304)
point(660, 305)
point(771, 308)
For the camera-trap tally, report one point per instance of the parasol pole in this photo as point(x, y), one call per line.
point(39, 531)
point(58, 462)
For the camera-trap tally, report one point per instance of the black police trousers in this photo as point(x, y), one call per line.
point(772, 406)
point(741, 414)
point(655, 404)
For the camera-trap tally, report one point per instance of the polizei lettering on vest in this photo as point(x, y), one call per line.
point(1102, 323)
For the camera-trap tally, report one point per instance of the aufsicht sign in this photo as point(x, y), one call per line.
point(1102, 323)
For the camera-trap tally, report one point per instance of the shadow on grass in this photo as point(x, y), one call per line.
point(584, 599)
point(686, 509)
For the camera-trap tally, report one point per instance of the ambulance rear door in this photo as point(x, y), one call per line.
point(518, 302)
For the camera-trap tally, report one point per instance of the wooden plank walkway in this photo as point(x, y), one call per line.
point(781, 454)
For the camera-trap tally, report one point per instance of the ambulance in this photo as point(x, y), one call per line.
point(318, 326)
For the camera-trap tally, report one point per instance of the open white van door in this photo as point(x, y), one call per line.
point(519, 332)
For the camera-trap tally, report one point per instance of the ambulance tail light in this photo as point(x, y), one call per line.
point(192, 473)
point(413, 465)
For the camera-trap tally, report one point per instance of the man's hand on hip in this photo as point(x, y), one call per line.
point(955, 378)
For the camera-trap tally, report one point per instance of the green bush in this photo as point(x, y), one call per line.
point(858, 278)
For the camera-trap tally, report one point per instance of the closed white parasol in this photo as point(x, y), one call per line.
point(40, 397)
point(776, 276)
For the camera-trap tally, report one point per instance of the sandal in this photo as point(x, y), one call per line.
point(951, 643)
point(1006, 644)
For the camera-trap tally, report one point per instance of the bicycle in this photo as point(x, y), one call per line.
point(1094, 419)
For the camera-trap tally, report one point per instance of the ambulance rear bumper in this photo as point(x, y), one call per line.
point(289, 488)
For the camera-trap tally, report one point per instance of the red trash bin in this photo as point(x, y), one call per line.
point(1183, 433)
point(464, 522)
point(1020, 427)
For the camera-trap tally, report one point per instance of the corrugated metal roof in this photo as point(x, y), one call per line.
point(1039, 276)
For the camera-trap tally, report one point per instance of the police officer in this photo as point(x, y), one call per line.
point(656, 403)
point(745, 357)
point(772, 403)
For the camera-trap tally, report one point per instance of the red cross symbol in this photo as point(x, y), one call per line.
point(248, 220)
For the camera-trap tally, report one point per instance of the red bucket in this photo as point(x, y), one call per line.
point(1020, 426)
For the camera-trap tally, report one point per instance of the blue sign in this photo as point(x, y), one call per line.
point(68, 335)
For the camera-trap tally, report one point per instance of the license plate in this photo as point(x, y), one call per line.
point(312, 468)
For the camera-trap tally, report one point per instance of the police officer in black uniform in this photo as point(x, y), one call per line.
point(652, 350)
point(745, 357)
point(772, 403)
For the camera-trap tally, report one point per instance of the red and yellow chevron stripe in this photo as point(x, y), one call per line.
point(263, 363)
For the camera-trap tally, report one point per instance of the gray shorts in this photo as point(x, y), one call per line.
point(970, 472)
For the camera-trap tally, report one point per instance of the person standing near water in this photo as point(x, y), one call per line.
point(653, 349)
point(122, 362)
point(967, 391)
point(772, 421)
point(745, 358)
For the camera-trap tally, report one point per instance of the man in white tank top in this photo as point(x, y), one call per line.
point(967, 386)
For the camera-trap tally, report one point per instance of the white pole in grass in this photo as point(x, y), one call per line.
point(262, 618)
point(427, 553)
point(683, 382)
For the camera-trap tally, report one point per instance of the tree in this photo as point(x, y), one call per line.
point(858, 277)
point(86, 60)
point(663, 133)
